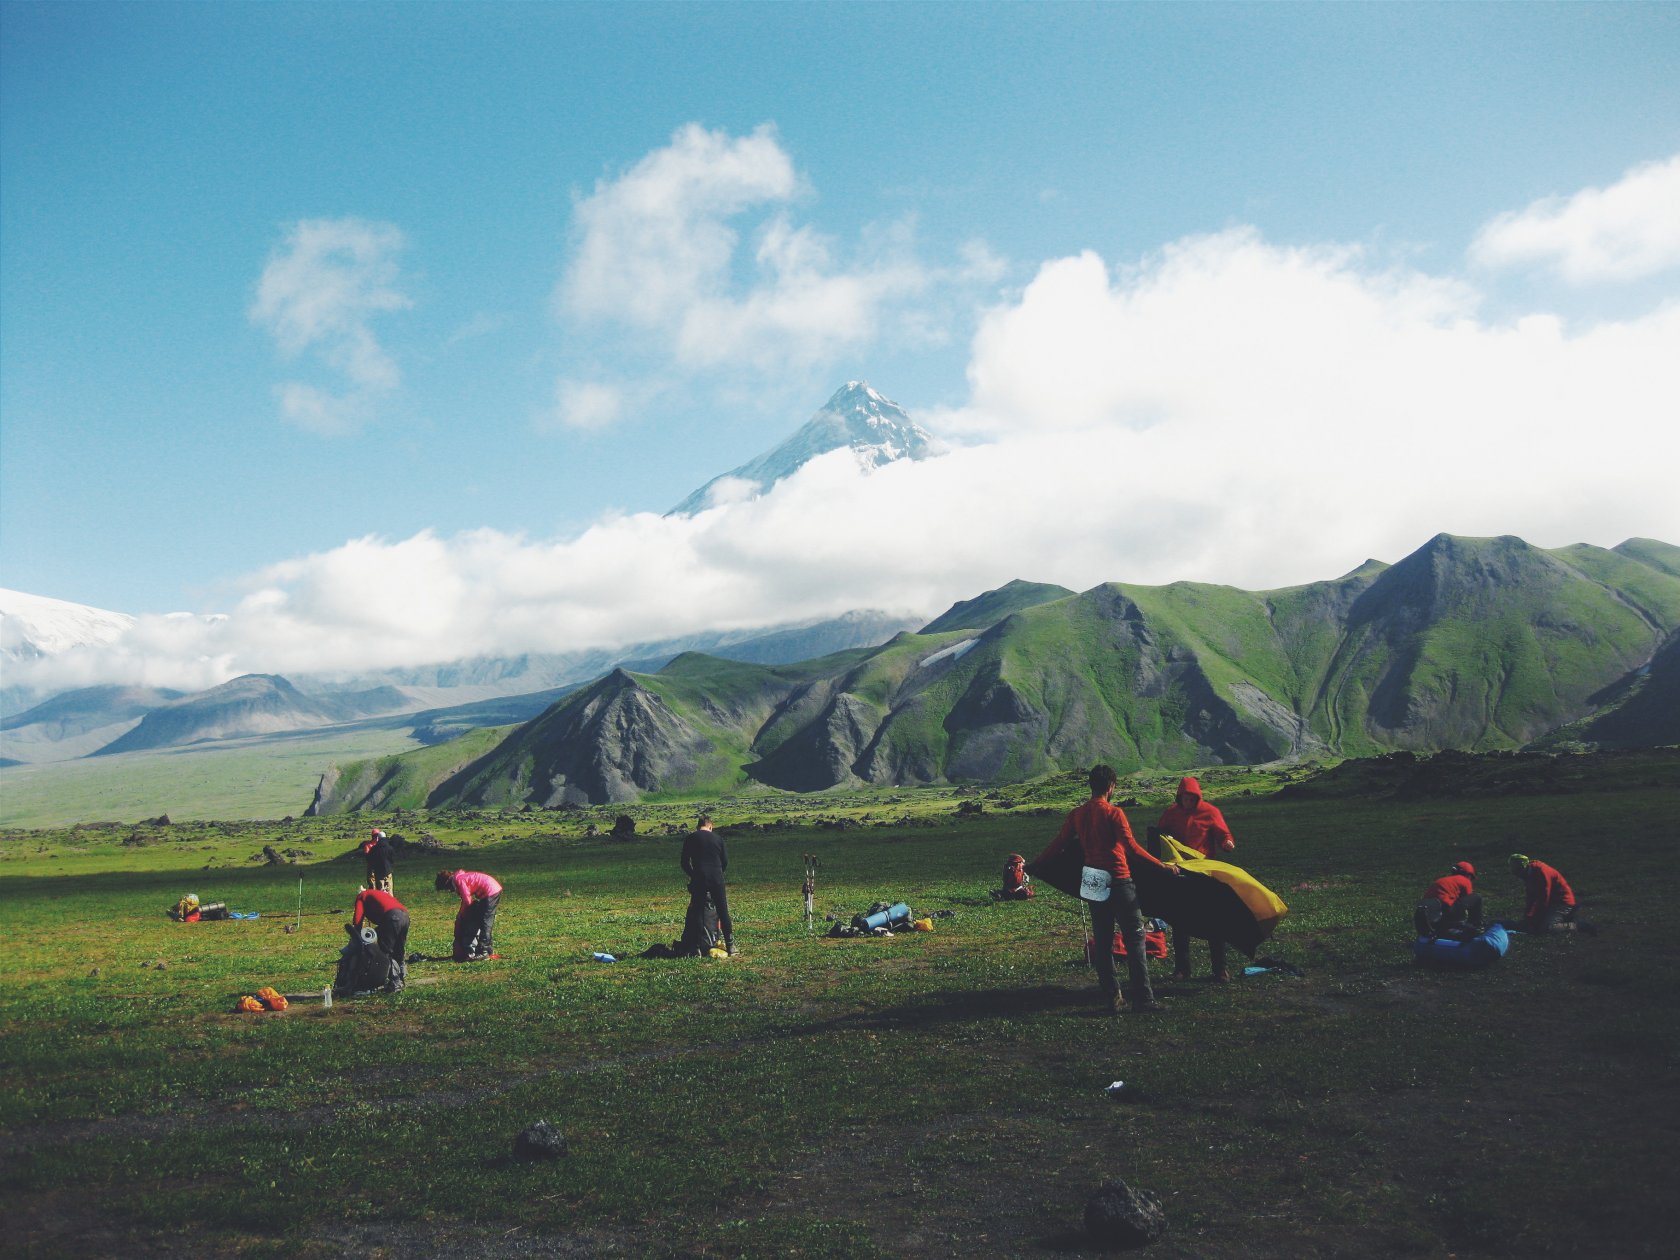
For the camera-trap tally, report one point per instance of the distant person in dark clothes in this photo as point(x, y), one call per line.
point(390, 922)
point(1197, 824)
point(376, 852)
point(1449, 903)
point(704, 860)
point(1104, 840)
point(476, 918)
point(1551, 901)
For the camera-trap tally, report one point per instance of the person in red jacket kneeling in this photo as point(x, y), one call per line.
point(1551, 901)
point(1193, 821)
point(1448, 903)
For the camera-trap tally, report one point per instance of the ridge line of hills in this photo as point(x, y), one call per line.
point(1467, 643)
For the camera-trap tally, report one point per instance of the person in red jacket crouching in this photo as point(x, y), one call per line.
point(1193, 821)
point(390, 923)
point(1449, 903)
point(1103, 838)
point(1551, 901)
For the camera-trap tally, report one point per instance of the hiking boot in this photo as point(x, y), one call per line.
point(1151, 1007)
point(1222, 977)
point(729, 948)
point(1181, 977)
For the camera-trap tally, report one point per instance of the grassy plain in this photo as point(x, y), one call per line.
point(937, 1094)
point(262, 777)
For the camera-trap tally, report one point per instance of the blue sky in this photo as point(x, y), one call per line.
point(304, 307)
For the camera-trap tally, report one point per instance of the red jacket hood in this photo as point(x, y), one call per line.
point(1189, 787)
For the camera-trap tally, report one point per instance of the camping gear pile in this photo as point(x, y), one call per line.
point(266, 999)
point(883, 916)
point(189, 910)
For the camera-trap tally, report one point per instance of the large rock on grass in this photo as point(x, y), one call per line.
point(1119, 1218)
point(539, 1141)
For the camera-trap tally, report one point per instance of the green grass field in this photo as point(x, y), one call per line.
point(934, 1094)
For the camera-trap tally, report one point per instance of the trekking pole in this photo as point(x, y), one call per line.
point(299, 923)
point(809, 889)
point(1084, 936)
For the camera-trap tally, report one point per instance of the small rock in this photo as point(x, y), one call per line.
point(1120, 1218)
point(539, 1141)
point(290, 928)
point(94, 974)
point(160, 965)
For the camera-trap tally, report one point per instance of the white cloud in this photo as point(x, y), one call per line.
point(585, 405)
point(1627, 231)
point(658, 248)
point(1226, 410)
point(318, 296)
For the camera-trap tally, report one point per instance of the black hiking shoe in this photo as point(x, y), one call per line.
point(1151, 1007)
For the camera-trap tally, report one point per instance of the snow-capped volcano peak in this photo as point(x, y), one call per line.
point(875, 428)
point(34, 626)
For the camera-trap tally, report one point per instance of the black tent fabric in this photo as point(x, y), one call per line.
point(1197, 903)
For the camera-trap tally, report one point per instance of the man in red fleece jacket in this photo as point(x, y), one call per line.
point(1449, 902)
point(1193, 822)
point(1551, 901)
point(1106, 844)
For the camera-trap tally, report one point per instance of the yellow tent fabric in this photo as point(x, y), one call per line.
point(1264, 904)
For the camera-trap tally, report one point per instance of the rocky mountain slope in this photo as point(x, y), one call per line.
point(255, 704)
point(1467, 643)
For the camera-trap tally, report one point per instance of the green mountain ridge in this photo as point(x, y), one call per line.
point(1468, 643)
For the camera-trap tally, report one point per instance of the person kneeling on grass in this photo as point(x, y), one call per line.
point(389, 918)
point(476, 918)
point(1104, 839)
point(1449, 903)
point(1551, 901)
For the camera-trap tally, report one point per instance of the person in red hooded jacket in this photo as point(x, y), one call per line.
point(1448, 902)
point(1104, 840)
point(1195, 823)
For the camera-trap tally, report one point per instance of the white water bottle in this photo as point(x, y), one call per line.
point(326, 997)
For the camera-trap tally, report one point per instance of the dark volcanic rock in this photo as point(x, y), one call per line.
point(1119, 1218)
point(539, 1141)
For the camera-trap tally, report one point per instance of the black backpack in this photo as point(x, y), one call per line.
point(362, 965)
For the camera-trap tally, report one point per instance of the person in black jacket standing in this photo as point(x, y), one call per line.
point(704, 860)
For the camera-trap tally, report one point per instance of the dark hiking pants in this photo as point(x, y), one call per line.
point(1120, 912)
point(1181, 952)
point(393, 939)
point(709, 883)
point(473, 927)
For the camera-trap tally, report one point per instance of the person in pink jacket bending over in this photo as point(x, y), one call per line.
point(476, 918)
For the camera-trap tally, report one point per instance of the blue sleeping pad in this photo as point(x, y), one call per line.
point(1478, 951)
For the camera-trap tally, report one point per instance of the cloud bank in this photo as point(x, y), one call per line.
point(1224, 410)
point(318, 297)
